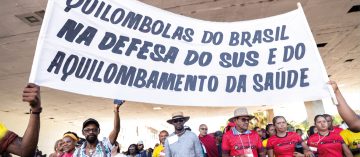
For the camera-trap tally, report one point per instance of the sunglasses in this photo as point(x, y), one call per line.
point(203, 129)
point(178, 120)
point(245, 119)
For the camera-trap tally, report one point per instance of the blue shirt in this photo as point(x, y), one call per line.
point(186, 145)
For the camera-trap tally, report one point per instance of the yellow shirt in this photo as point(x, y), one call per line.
point(264, 143)
point(160, 148)
point(352, 140)
point(3, 130)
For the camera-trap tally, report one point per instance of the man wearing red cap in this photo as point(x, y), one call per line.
point(240, 141)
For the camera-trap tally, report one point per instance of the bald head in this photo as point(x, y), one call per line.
point(203, 129)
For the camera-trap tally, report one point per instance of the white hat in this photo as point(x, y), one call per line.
point(241, 112)
point(178, 115)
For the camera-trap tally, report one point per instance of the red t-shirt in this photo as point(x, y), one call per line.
point(210, 145)
point(336, 130)
point(67, 154)
point(329, 145)
point(238, 144)
point(284, 146)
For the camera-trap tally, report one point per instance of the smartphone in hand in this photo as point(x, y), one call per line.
point(118, 101)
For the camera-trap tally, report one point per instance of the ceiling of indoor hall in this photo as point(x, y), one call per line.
point(335, 29)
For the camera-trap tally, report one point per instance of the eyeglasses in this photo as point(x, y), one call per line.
point(203, 128)
point(94, 130)
point(244, 119)
point(178, 120)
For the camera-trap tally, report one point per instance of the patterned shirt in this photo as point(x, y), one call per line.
point(103, 149)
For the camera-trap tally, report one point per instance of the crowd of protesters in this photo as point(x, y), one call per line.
point(237, 139)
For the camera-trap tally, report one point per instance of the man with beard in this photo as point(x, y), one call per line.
point(140, 146)
point(70, 139)
point(240, 141)
point(92, 147)
point(182, 143)
point(159, 150)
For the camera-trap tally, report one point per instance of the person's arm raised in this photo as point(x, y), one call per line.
point(115, 132)
point(26, 146)
point(346, 113)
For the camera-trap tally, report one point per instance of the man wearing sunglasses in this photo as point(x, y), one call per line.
point(92, 147)
point(182, 143)
point(240, 141)
point(208, 140)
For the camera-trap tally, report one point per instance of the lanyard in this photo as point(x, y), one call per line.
point(317, 143)
point(242, 144)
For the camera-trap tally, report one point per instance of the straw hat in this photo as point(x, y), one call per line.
point(241, 112)
point(178, 115)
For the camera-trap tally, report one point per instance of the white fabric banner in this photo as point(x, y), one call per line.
point(128, 50)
